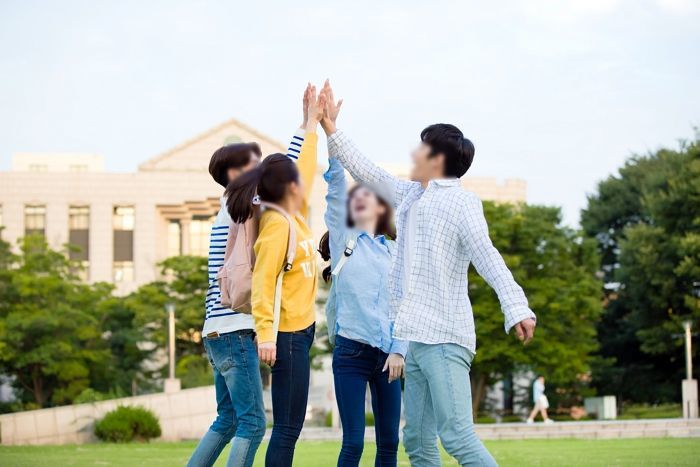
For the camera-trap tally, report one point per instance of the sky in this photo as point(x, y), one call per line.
point(556, 92)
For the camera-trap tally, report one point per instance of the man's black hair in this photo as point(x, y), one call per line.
point(449, 141)
point(232, 156)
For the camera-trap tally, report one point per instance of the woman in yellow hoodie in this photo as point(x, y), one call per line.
point(278, 180)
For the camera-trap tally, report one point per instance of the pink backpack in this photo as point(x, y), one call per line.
point(236, 275)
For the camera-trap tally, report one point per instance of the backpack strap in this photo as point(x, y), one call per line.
point(291, 251)
point(230, 240)
point(350, 244)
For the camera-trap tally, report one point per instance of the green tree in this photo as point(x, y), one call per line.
point(646, 221)
point(50, 337)
point(556, 267)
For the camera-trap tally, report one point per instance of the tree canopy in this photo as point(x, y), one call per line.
point(557, 268)
point(646, 221)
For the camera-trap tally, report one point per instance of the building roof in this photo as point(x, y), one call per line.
point(194, 154)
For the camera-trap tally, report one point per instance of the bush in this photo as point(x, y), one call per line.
point(126, 424)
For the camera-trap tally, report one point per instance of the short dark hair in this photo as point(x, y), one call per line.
point(449, 141)
point(269, 180)
point(231, 156)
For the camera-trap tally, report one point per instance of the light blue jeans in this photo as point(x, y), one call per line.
point(438, 403)
point(240, 409)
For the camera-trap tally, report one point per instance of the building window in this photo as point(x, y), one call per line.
point(174, 239)
point(78, 168)
point(200, 228)
point(38, 168)
point(35, 219)
point(79, 236)
point(123, 255)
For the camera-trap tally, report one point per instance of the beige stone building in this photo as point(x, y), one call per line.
point(125, 223)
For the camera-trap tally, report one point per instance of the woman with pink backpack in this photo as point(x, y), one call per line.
point(229, 329)
point(283, 278)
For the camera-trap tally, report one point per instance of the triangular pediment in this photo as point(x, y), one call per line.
point(194, 154)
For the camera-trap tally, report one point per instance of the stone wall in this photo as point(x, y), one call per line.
point(183, 415)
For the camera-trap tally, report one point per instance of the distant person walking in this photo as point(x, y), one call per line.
point(540, 400)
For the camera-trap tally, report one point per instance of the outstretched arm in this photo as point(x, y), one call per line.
point(297, 141)
point(308, 157)
point(490, 265)
point(336, 209)
point(361, 168)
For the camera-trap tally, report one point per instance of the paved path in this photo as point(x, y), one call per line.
point(675, 428)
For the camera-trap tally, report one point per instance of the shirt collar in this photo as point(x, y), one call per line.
point(380, 238)
point(444, 182)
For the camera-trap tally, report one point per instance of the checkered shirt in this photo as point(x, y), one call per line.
point(451, 233)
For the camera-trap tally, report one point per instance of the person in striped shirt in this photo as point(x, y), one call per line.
point(229, 336)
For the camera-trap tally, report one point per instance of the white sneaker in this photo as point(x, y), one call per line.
point(530, 421)
point(549, 421)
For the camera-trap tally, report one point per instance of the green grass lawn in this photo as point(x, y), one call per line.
point(567, 452)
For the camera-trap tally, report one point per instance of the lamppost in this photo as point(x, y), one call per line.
point(690, 385)
point(172, 384)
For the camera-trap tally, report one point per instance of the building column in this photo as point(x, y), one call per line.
point(145, 247)
point(13, 220)
point(56, 224)
point(185, 232)
point(101, 238)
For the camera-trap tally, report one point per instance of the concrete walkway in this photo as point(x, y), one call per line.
point(662, 428)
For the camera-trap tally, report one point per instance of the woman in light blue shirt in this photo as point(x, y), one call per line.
point(359, 245)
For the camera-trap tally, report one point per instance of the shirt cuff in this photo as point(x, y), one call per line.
point(400, 347)
point(516, 315)
point(265, 335)
point(334, 141)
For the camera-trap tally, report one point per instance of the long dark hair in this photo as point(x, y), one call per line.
point(385, 226)
point(269, 180)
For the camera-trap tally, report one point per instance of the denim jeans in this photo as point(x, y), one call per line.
point(354, 365)
point(241, 414)
point(290, 392)
point(439, 404)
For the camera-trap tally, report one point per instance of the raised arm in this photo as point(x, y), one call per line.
point(490, 265)
point(365, 171)
point(336, 208)
point(308, 157)
point(294, 148)
point(361, 168)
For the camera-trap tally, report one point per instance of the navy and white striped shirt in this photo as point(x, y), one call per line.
point(219, 318)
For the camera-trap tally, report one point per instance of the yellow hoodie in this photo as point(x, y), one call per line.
point(299, 284)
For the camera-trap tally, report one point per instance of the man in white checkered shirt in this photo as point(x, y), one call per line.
point(441, 230)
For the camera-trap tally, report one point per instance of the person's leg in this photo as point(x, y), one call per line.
point(446, 367)
point(352, 366)
point(533, 414)
point(420, 431)
point(386, 406)
point(290, 393)
point(223, 428)
point(245, 386)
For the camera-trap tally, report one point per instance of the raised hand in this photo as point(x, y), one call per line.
point(332, 109)
point(305, 105)
point(315, 109)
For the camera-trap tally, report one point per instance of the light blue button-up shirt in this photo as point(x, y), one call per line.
point(358, 304)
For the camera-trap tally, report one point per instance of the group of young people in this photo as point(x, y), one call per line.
point(398, 303)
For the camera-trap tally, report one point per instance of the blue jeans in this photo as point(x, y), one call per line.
point(439, 404)
point(241, 414)
point(290, 392)
point(354, 365)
